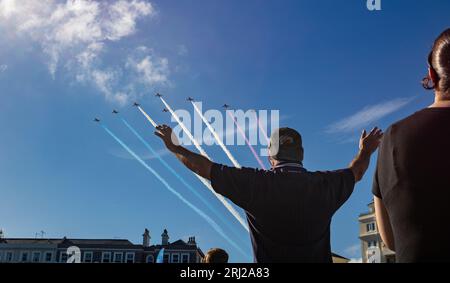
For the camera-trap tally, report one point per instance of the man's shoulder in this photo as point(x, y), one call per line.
point(304, 173)
point(331, 176)
point(331, 172)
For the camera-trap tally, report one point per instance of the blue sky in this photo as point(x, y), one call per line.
point(332, 68)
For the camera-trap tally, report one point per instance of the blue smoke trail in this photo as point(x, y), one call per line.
point(178, 176)
point(211, 222)
point(160, 257)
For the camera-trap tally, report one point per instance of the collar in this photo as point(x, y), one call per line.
point(289, 167)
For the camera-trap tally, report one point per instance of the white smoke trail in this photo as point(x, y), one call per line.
point(205, 182)
point(148, 117)
point(185, 130)
point(217, 138)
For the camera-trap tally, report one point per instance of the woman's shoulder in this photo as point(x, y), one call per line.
point(415, 123)
point(408, 121)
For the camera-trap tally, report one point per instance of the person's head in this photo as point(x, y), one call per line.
point(438, 77)
point(216, 256)
point(285, 146)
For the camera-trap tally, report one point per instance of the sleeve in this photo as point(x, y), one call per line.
point(376, 185)
point(238, 185)
point(386, 170)
point(342, 184)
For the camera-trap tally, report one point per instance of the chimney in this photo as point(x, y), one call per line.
point(191, 241)
point(165, 238)
point(146, 238)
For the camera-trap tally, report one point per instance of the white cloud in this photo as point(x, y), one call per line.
point(150, 70)
point(7, 7)
point(123, 15)
point(120, 83)
point(182, 50)
point(353, 250)
point(368, 115)
point(143, 48)
point(103, 80)
point(87, 57)
point(3, 68)
point(356, 260)
point(77, 33)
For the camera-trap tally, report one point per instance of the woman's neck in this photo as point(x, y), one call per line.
point(441, 101)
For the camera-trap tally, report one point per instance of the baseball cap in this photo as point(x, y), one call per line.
point(286, 145)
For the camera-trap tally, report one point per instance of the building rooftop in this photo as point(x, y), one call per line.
point(98, 243)
point(29, 241)
point(338, 256)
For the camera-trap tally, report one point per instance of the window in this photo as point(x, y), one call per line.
point(185, 258)
point(175, 258)
point(36, 256)
point(106, 257)
point(63, 257)
point(48, 256)
point(24, 257)
point(87, 257)
point(166, 258)
point(150, 259)
point(372, 244)
point(9, 257)
point(118, 257)
point(130, 258)
point(370, 227)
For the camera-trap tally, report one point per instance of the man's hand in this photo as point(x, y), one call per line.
point(168, 137)
point(195, 162)
point(368, 144)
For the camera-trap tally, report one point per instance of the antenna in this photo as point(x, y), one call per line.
point(41, 234)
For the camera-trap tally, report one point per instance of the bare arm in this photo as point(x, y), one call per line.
point(384, 224)
point(195, 162)
point(368, 144)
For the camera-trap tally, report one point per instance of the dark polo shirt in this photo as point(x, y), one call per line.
point(288, 209)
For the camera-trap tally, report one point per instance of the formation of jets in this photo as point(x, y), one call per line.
point(135, 104)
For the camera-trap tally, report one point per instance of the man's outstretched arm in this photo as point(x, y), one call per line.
point(368, 144)
point(195, 162)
